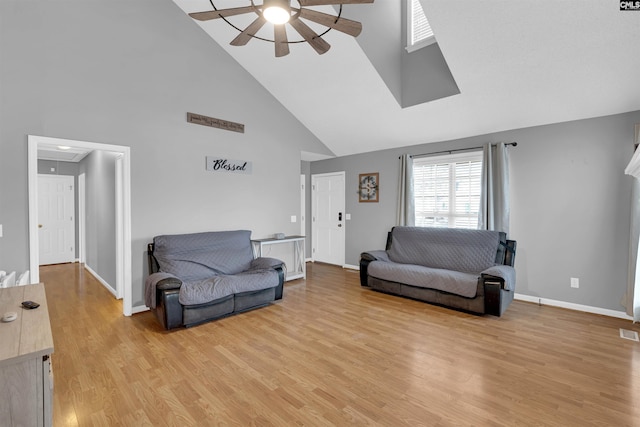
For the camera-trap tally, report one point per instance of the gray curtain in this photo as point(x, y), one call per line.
point(406, 213)
point(494, 196)
point(631, 300)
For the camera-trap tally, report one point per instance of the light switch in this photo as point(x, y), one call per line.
point(348, 217)
point(293, 218)
point(0, 230)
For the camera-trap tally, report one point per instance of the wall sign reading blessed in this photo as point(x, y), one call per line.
point(221, 164)
point(199, 119)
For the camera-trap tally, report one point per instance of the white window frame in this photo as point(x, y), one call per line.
point(411, 20)
point(452, 215)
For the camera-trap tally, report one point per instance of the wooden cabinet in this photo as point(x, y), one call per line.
point(26, 344)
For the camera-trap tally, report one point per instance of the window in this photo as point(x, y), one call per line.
point(419, 33)
point(447, 190)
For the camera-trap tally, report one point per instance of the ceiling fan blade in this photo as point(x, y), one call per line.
point(310, 36)
point(329, 2)
point(214, 14)
point(248, 33)
point(280, 39)
point(347, 26)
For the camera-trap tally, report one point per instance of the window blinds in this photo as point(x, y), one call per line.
point(420, 28)
point(447, 190)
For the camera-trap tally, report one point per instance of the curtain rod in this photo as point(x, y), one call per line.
point(458, 149)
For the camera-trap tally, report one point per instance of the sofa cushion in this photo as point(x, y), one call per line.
point(216, 287)
point(469, 251)
point(197, 256)
point(454, 282)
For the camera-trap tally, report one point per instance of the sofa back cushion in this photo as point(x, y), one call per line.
point(198, 256)
point(469, 251)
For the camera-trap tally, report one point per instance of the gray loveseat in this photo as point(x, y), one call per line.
point(199, 277)
point(469, 270)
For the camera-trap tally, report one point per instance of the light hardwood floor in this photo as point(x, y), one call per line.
point(333, 353)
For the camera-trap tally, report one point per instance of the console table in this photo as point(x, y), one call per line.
point(299, 266)
point(26, 382)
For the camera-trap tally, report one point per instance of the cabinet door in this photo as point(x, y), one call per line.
point(19, 393)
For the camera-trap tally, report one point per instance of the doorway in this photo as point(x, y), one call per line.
point(328, 218)
point(56, 219)
point(123, 239)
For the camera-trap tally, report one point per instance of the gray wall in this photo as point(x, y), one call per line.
point(54, 167)
point(106, 72)
point(413, 78)
point(570, 205)
point(99, 168)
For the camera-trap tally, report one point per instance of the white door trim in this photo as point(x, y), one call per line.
point(119, 228)
point(313, 210)
point(82, 218)
point(303, 213)
point(124, 252)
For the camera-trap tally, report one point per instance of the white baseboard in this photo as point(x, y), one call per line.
point(139, 309)
point(572, 306)
point(351, 267)
point(101, 280)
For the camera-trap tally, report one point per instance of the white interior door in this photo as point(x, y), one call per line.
point(328, 222)
point(56, 219)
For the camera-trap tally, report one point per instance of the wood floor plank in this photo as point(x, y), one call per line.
point(334, 353)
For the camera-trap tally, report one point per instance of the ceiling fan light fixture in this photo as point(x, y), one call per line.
point(276, 11)
point(279, 13)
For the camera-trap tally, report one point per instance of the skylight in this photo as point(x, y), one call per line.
point(419, 32)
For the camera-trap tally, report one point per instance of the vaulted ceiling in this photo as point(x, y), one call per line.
point(516, 64)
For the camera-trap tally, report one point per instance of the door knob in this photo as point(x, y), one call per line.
point(39, 225)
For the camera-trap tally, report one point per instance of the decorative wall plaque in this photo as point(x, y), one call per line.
point(368, 184)
point(199, 119)
point(222, 164)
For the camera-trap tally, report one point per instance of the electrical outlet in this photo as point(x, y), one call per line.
point(0, 230)
point(575, 282)
point(293, 218)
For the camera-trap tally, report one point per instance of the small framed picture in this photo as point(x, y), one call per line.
point(368, 187)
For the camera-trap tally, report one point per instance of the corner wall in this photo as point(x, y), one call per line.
point(570, 205)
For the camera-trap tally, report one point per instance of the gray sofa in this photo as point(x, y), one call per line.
point(195, 278)
point(469, 270)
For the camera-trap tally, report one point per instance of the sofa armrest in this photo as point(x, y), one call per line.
point(375, 256)
point(365, 259)
point(265, 262)
point(168, 283)
point(504, 274)
point(510, 253)
point(159, 282)
point(281, 276)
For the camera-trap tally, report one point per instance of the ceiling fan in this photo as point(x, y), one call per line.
point(282, 12)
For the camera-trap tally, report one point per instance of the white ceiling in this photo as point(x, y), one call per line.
point(517, 64)
point(67, 154)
